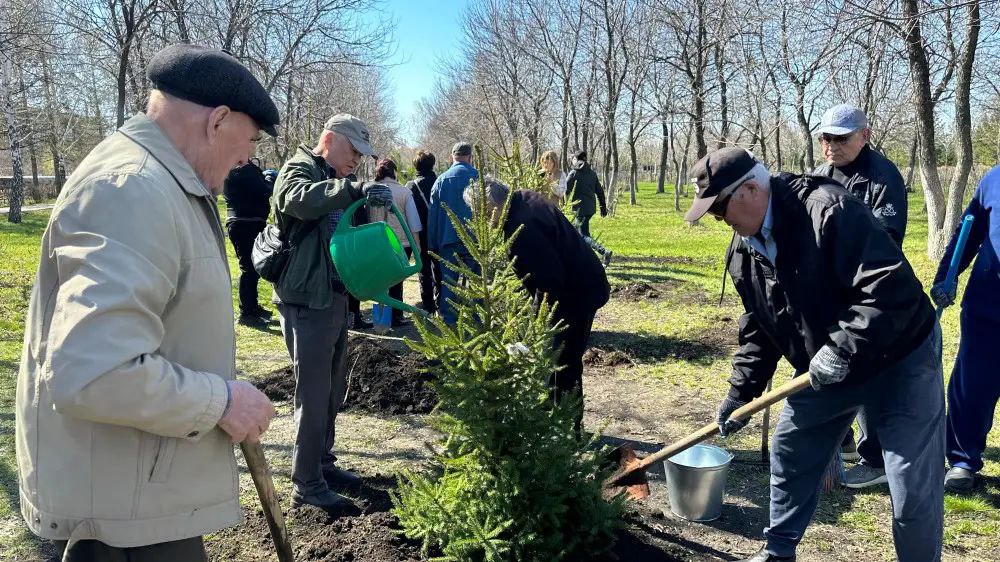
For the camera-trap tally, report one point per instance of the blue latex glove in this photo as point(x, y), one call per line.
point(378, 195)
point(943, 294)
point(727, 426)
point(826, 367)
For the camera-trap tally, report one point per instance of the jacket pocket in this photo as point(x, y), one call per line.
point(163, 457)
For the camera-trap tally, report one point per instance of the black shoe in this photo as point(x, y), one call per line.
point(326, 500)
point(252, 321)
point(764, 556)
point(361, 324)
point(400, 322)
point(341, 479)
point(262, 312)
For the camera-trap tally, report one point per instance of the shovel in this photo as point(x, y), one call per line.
point(631, 478)
point(261, 474)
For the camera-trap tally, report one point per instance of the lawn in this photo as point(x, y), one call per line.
point(679, 345)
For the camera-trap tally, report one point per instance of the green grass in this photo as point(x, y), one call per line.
point(683, 341)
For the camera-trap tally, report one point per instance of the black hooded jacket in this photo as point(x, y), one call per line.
point(583, 184)
point(839, 279)
point(247, 194)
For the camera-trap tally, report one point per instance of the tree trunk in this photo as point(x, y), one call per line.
point(122, 80)
point(664, 146)
point(800, 113)
point(963, 126)
point(53, 133)
point(29, 136)
point(924, 109)
point(16, 195)
point(912, 165)
point(633, 178)
point(720, 69)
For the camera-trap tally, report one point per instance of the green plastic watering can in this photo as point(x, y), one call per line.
point(370, 259)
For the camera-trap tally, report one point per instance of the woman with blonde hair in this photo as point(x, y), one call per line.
point(553, 174)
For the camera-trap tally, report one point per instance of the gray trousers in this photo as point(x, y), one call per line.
point(317, 343)
point(906, 405)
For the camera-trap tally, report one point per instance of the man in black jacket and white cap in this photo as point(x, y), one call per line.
point(824, 286)
point(871, 177)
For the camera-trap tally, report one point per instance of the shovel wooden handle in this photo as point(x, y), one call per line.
point(796, 384)
point(261, 474)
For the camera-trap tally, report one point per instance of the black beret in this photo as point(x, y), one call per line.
point(212, 78)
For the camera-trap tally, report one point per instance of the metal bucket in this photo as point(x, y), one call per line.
point(696, 481)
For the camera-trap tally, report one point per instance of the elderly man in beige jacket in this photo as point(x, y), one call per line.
point(127, 406)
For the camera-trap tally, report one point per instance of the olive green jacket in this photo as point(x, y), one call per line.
point(304, 193)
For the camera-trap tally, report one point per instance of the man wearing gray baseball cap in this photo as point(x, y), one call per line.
point(312, 190)
point(871, 177)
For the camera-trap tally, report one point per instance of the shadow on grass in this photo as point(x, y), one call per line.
point(646, 347)
point(41, 549)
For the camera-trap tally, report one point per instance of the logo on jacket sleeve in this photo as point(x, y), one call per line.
point(885, 211)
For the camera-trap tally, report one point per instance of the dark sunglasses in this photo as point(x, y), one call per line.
point(834, 139)
point(720, 206)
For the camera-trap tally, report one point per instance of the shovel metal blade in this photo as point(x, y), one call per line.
point(625, 480)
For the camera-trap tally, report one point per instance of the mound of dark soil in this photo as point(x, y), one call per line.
point(597, 357)
point(636, 290)
point(380, 380)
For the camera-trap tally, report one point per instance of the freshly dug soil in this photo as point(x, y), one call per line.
point(371, 534)
point(374, 535)
point(381, 381)
point(597, 357)
point(636, 290)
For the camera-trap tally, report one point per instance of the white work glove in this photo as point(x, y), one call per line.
point(248, 414)
point(826, 367)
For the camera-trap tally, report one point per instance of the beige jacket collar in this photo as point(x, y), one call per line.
point(146, 133)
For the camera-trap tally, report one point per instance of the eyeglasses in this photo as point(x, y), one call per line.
point(719, 207)
point(835, 139)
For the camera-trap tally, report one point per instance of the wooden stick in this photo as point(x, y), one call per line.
point(765, 429)
point(261, 474)
point(798, 383)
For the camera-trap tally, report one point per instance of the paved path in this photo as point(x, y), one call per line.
point(26, 208)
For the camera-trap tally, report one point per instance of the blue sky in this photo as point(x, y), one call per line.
point(426, 32)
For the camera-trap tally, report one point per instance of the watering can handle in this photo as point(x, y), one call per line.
point(345, 221)
point(345, 225)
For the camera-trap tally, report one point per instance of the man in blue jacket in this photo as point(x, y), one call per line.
point(442, 238)
point(974, 387)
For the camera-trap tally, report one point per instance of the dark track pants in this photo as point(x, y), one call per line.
point(973, 392)
point(242, 234)
point(568, 381)
point(868, 444)
point(906, 403)
point(317, 343)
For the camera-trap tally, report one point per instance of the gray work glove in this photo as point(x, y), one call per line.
point(826, 367)
point(378, 195)
point(727, 426)
point(943, 294)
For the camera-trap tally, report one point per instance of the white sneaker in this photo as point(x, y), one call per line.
point(862, 475)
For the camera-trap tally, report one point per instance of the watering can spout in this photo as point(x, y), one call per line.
point(370, 259)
